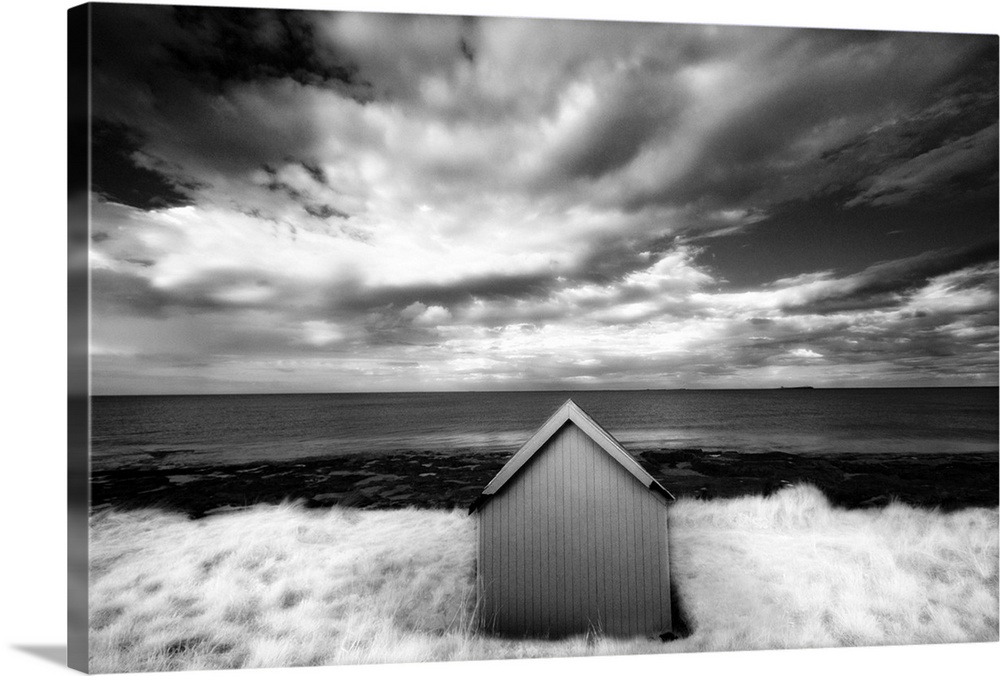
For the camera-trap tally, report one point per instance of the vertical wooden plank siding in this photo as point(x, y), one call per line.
point(600, 548)
point(653, 559)
point(509, 582)
point(667, 610)
point(590, 536)
point(620, 625)
point(502, 540)
point(617, 556)
point(516, 559)
point(642, 562)
point(552, 553)
point(569, 530)
point(575, 454)
point(557, 557)
point(531, 532)
point(519, 553)
point(572, 542)
point(571, 562)
point(647, 524)
point(487, 574)
point(487, 567)
point(500, 549)
point(482, 568)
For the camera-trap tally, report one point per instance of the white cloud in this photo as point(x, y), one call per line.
point(533, 205)
point(805, 353)
point(433, 316)
point(321, 333)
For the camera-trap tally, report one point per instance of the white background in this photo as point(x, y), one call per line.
point(33, 329)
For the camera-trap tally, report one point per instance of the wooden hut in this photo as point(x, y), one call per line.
point(573, 537)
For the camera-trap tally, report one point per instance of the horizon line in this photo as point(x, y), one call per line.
point(544, 391)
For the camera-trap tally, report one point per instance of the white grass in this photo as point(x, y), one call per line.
point(284, 586)
point(789, 571)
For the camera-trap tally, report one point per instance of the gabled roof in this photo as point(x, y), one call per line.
point(568, 412)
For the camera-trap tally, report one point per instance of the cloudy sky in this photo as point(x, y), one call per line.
point(309, 201)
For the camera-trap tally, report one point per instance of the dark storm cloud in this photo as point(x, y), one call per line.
point(628, 118)
point(315, 171)
point(346, 196)
point(964, 107)
point(611, 258)
point(892, 93)
point(467, 51)
point(317, 209)
point(387, 327)
point(220, 45)
point(162, 48)
point(117, 175)
point(895, 338)
point(217, 290)
point(395, 54)
point(123, 290)
point(324, 211)
point(111, 291)
point(213, 87)
point(888, 284)
point(275, 185)
point(928, 338)
point(960, 170)
point(382, 315)
point(468, 289)
point(918, 175)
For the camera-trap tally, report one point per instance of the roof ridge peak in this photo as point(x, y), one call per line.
point(569, 411)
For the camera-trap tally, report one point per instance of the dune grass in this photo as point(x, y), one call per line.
point(277, 586)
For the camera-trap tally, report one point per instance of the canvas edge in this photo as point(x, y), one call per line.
point(78, 331)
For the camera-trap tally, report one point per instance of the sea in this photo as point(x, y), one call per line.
point(202, 430)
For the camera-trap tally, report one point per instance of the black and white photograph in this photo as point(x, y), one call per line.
point(430, 336)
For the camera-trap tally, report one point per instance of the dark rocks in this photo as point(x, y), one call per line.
point(851, 480)
point(392, 480)
point(455, 479)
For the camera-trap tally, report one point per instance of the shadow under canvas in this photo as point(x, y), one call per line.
point(50, 653)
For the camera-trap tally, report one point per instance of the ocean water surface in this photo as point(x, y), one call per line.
point(187, 431)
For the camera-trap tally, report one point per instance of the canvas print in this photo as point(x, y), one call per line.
point(410, 337)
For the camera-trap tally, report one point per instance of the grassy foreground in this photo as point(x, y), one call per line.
point(277, 586)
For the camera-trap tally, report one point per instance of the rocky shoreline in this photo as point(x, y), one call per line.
point(454, 479)
point(850, 480)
